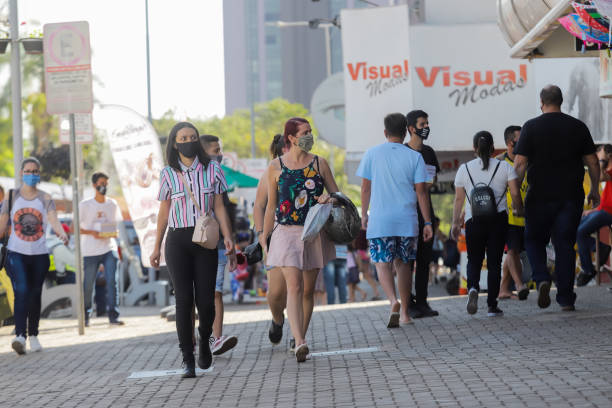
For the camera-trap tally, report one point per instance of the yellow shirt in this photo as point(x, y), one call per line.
point(512, 219)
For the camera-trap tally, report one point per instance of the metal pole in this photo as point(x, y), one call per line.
point(148, 63)
point(16, 89)
point(76, 225)
point(328, 66)
point(328, 62)
point(252, 129)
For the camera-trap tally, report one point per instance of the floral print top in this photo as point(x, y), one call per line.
point(297, 190)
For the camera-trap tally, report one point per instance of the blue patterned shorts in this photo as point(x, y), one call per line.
point(387, 249)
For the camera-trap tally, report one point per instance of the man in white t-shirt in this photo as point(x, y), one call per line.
point(98, 218)
point(394, 180)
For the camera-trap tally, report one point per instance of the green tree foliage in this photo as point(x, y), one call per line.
point(270, 117)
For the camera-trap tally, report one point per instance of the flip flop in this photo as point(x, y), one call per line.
point(504, 297)
point(408, 323)
point(394, 320)
point(523, 293)
point(301, 353)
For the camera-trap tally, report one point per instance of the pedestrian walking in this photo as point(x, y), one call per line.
point(277, 287)
point(593, 220)
point(553, 150)
point(98, 224)
point(28, 211)
point(394, 178)
point(352, 277)
point(295, 184)
point(515, 240)
point(335, 275)
point(220, 343)
point(483, 181)
point(368, 272)
point(419, 131)
point(191, 185)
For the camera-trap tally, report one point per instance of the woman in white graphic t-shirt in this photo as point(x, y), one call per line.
point(27, 261)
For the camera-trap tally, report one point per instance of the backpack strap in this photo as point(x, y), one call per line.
point(471, 180)
point(494, 172)
point(468, 172)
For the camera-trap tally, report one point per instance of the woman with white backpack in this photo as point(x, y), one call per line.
point(484, 181)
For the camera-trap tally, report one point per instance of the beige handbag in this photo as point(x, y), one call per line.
point(206, 230)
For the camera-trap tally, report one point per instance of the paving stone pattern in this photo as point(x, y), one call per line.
point(527, 358)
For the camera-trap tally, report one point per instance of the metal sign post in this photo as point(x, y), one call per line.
point(74, 173)
point(67, 57)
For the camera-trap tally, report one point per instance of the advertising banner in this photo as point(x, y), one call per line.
point(464, 79)
point(461, 75)
point(138, 159)
point(376, 71)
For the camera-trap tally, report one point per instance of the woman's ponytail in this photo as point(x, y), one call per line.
point(483, 143)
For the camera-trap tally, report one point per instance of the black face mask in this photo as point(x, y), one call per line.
point(101, 189)
point(189, 149)
point(423, 133)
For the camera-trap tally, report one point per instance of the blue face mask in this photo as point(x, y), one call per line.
point(31, 179)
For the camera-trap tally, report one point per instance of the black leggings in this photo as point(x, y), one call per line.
point(193, 269)
point(486, 236)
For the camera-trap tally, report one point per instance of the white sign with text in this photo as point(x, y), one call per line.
point(67, 60)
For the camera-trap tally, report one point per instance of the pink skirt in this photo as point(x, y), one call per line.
point(288, 250)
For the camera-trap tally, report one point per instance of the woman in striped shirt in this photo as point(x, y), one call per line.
point(192, 267)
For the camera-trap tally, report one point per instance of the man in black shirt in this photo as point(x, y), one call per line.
point(553, 149)
point(418, 128)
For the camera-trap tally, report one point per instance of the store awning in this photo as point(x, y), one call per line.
point(236, 179)
point(531, 28)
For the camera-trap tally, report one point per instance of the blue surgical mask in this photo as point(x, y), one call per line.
point(31, 179)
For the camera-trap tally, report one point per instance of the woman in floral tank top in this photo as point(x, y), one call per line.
point(295, 183)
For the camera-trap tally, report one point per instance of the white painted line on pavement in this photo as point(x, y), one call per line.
point(347, 351)
point(165, 373)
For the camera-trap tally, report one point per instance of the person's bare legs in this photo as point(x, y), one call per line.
point(404, 285)
point(362, 292)
point(218, 322)
point(371, 281)
point(295, 309)
point(516, 268)
point(504, 286)
point(387, 281)
point(351, 287)
point(310, 279)
point(277, 294)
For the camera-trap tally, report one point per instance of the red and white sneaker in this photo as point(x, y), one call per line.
point(223, 344)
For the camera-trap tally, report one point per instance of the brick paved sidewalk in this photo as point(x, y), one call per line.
point(528, 358)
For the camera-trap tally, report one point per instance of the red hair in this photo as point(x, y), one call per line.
point(291, 128)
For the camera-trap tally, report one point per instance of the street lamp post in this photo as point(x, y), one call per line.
point(148, 63)
point(325, 25)
point(16, 89)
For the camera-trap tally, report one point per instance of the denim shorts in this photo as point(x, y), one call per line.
point(387, 249)
point(221, 271)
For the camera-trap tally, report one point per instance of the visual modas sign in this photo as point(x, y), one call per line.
point(376, 71)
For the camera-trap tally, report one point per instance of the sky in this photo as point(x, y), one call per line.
point(186, 46)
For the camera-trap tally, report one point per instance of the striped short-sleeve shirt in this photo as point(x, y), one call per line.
point(204, 184)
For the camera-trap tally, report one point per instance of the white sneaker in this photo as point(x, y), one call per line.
point(19, 345)
point(472, 303)
point(35, 344)
point(223, 344)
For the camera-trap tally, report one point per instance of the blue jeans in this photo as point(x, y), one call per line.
point(558, 220)
point(334, 274)
point(27, 273)
point(220, 271)
point(588, 225)
point(90, 267)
